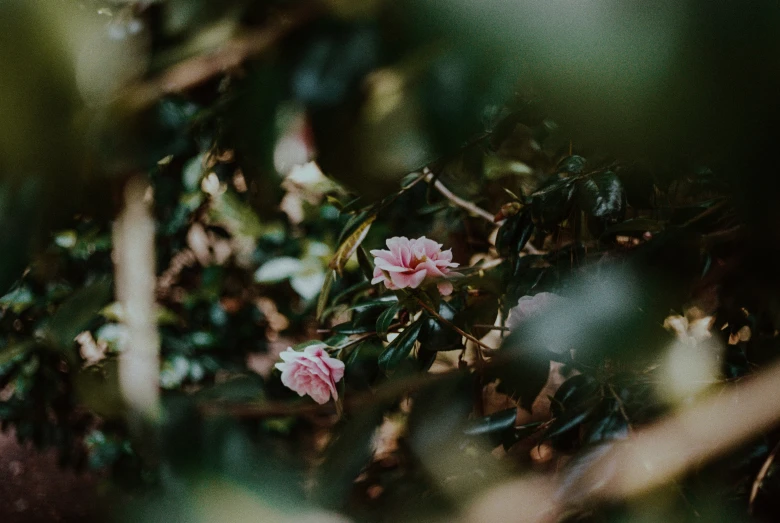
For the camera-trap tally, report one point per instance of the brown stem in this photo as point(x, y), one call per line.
point(760, 477)
point(455, 328)
point(457, 200)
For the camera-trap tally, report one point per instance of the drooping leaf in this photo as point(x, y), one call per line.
point(400, 347)
point(351, 244)
point(322, 301)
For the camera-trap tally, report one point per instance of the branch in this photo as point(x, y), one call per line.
point(197, 70)
point(454, 327)
point(458, 201)
point(134, 259)
point(653, 456)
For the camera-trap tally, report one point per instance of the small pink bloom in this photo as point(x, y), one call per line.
point(531, 306)
point(311, 372)
point(408, 263)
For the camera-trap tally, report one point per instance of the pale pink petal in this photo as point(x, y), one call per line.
point(445, 288)
point(411, 280)
point(431, 269)
point(389, 267)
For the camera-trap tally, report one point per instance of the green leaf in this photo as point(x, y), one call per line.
point(497, 422)
point(386, 318)
point(348, 452)
point(9, 354)
point(322, 302)
point(351, 244)
point(73, 316)
point(18, 300)
point(514, 234)
point(551, 204)
point(365, 263)
point(362, 365)
point(278, 269)
point(567, 422)
point(409, 179)
point(519, 434)
point(400, 347)
point(601, 195)
point(438, 336)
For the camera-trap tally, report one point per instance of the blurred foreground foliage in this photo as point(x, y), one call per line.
point(626, 152)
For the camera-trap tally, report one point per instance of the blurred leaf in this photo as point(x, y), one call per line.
point(9, 354)
point(346, 456)
point(278, 269)
point(322, 302)
point(400, 347)
point(77, 312)
point(18, 300)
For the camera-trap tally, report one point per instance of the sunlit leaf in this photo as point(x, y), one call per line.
point(351, 244)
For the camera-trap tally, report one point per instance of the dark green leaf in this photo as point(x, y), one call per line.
point(346, 455)
point(365, 264)
point(601, 195)
point(551, 204)
point(438, 336)
point(386, 318)
point(497, 422)
point(519, 434)
point(514, 234)
point(567, 422)
point(572, 164)
point(362, 365)
point(400, 347)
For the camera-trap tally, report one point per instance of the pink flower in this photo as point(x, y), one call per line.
point(531, 306)
point(311, 372)
point(408, 263)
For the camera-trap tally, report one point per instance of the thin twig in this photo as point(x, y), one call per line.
point(385, 392)
point(454, 327)
point(621, 407)
point(460, 202)
point(760, 477)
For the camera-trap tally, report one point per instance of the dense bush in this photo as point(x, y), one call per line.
point(542, 230)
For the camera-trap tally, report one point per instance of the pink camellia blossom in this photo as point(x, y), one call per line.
point(311, 372)
point(531, 306)
point(408, 263)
